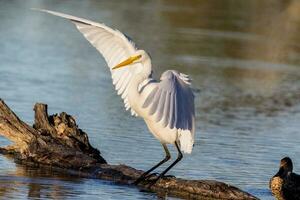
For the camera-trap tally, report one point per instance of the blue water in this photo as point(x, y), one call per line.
point(243, 59)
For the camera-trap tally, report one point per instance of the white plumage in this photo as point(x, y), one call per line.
point(167, 106)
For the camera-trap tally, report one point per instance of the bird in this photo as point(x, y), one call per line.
point(285, 185)
point(166, 105)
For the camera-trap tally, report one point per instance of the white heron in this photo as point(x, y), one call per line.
point(167, 106)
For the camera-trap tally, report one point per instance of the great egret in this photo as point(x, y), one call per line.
point(167, 106)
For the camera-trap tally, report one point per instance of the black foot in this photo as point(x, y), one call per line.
point(140, 179)
point(169, 176)
point(151, 175)
point(145, 178)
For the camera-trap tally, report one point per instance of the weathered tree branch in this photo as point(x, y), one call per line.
point(56, 141)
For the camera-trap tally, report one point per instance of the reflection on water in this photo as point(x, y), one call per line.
point(36, 183)
point(39, 183)
point(243, 57)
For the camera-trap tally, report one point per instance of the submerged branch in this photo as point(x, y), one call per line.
point(56, 141)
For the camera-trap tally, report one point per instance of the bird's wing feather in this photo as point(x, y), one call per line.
point(172, 101)
point(114, 46)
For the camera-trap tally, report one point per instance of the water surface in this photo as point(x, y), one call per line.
point(243, 57)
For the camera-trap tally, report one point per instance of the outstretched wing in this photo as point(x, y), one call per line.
point(114, 46)
point(172, 101)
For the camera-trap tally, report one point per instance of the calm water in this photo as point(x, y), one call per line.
point(243, 57)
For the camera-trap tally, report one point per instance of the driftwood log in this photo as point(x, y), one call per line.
point(55, 141)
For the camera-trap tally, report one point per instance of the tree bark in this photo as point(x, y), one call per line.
point(56, 141)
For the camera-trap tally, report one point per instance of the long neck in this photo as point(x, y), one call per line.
point(137, 79)
point(283, 172)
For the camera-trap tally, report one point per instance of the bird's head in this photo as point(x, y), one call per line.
point(285, 167)
point(287, 164)
point(139, 56)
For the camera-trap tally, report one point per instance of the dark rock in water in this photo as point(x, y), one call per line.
point(285, 185)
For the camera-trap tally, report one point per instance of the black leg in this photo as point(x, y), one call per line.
point(168, 156)
point(179, 157)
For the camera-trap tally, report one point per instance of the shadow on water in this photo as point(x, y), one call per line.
point(243, 57)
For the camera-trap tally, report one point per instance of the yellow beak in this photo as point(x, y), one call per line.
point(128, 61)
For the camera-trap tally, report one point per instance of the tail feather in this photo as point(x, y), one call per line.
point(186, 141)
